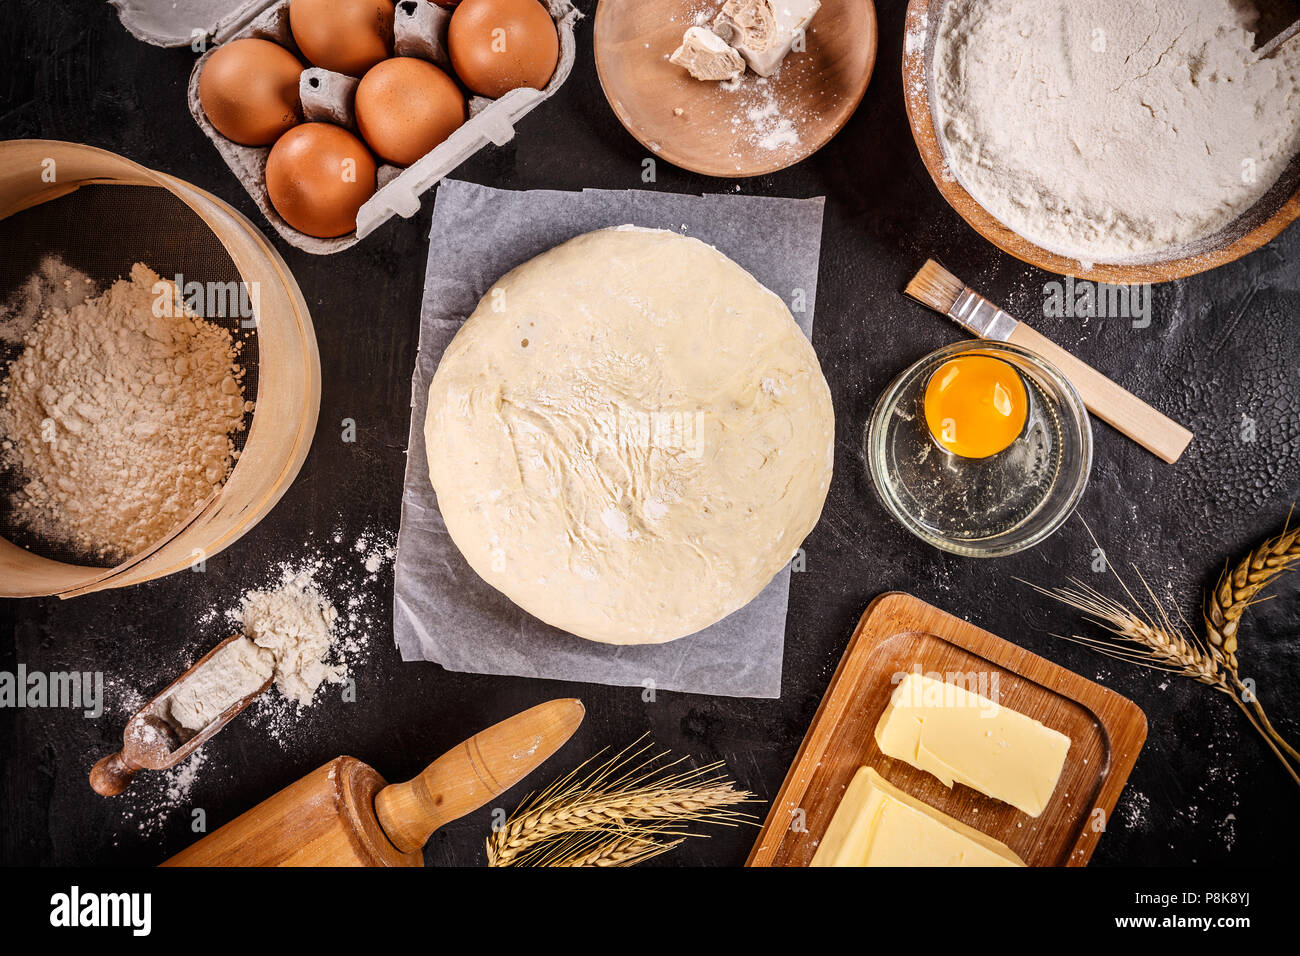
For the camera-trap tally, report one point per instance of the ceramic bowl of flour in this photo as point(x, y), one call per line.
point(1063, 140)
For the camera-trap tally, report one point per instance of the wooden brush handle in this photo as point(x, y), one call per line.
point(112, 775)
point(483, 767)
point(1124, 410)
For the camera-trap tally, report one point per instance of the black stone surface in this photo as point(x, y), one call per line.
point(1222, 349)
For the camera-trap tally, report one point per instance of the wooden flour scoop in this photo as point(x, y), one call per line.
point(153, 741)
point(344, 814)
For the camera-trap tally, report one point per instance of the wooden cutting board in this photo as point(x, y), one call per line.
point(899, 633)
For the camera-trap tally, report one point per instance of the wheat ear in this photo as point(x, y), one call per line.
point(1238, 588)
point(624, 804)
point(1157, 643)
point(597, 849)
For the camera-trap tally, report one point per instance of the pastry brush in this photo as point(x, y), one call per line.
point(936, 287)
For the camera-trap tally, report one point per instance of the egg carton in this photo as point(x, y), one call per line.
point(419, 29)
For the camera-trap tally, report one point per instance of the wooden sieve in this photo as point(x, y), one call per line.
point(100, 213)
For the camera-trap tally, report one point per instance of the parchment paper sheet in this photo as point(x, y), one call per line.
point(442, 610)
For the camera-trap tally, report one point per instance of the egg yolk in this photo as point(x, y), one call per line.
point(975, 406)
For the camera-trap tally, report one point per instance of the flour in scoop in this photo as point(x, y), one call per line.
point(1110, 130)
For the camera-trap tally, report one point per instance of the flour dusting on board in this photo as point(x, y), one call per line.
point(524, 753)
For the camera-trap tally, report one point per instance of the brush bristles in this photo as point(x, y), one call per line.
point(935, 287)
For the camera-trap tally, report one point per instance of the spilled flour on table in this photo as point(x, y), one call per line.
point(316, 613)
point(295, 623)
point(154, 795)
point(1134, 810)
point(354, 613)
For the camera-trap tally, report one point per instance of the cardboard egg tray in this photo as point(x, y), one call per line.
point(419, 30)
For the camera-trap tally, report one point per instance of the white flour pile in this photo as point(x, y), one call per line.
point(295, 624)
point(117, 419)
point(1107, 130)
point(288, 635)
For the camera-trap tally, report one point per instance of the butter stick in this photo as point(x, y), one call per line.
point(876, 824)
point(963, 737)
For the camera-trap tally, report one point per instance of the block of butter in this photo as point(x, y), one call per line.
point(964, 737)
point(876, 824)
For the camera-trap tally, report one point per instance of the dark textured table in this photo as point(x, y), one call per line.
point(1220, 355)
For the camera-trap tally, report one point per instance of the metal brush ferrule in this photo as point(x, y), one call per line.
point(982, 317)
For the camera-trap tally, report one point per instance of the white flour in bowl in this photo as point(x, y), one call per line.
point(1107, 130)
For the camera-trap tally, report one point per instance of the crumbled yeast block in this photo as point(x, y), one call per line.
point(706, 56)
point(764, 31)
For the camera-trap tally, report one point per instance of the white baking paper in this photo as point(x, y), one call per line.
point(442, 610)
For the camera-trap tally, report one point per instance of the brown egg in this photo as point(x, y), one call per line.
point(318, 175)
point(500, 45)
point(346, 36)
point(249, 91)
point(406, 107)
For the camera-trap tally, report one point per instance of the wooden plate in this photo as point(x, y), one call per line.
point(898, 633)
point(1274, 212)
point(762, 126)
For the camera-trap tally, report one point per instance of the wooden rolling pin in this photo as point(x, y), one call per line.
point(344, 814)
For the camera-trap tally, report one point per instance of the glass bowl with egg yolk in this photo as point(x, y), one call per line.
point(980, 448)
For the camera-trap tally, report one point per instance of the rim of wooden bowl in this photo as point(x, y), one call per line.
point(666, 150)
point(1248, 233)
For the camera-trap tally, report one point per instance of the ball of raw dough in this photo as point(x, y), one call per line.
point(630, 436)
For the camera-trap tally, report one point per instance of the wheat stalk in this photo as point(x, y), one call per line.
point(598, 849)
point(1157, 643)
point(1161, 647)
point(618, 813)
point(1238, 588)
point(1139, 639)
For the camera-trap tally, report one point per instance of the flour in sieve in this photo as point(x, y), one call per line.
point(117, 419)
point(54, 285)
